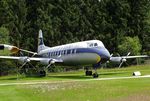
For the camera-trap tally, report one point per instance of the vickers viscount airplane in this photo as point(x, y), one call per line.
point(85, 53)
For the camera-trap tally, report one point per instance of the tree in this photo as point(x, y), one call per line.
point(4, 35)
point(138, 21)
point(4, 39)
point(5, 66)
point(129, 44)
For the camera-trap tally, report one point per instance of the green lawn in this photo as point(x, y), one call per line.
point(137, 89)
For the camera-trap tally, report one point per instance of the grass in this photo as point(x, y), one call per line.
point(112, 90)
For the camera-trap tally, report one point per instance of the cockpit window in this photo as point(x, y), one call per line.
point(95, 44)
point(91, 45)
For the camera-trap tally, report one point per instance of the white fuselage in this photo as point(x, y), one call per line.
point(79, 53)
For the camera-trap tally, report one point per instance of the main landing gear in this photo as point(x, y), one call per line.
point(95, 75)
point(89, 73)
point(42, 73)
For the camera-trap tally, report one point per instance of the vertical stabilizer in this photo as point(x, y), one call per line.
point(41, 45)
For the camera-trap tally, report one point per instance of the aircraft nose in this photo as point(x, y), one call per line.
point(104, 54)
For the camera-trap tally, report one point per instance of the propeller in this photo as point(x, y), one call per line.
point(123, 60)
point(25, 60)
point(50, 63)
point(119, 59)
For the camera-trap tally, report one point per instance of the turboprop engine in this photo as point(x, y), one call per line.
point(118, 59)
point(24, 59)
point(47, 61)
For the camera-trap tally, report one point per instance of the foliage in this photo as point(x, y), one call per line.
point(129, 44)
point(4, 39)
point(4, 35)
point(6, 66)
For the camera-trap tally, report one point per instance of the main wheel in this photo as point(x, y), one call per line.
point(95, 75)
point(42, 73)
point(88, 73)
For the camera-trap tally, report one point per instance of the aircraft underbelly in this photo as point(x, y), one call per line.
point(81, 59)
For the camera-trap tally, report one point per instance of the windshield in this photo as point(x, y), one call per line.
point(96, 43)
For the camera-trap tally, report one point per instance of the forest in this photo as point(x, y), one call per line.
point(122, 25)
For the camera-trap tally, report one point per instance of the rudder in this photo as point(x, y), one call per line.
point(41, 45)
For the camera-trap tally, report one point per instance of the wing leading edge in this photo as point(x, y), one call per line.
point(31, 59)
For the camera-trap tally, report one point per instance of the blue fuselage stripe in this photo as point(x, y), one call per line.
point(102, 52)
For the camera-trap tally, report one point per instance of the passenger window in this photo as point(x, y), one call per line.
point(70, 51)
point(75, 51)
point(66, 52)
point(62, 52)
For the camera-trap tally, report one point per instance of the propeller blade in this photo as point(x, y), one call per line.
point(48, 66)
point(120, 64)
point(111, 55)
point(22, 65)
point(128, 54)
point(124, 60)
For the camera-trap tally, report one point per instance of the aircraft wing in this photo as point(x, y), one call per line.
point(123, 58)
point(138, 56)
point(38, 59)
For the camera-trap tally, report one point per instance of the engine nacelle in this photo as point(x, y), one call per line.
point(24, 59)
point(118, 59)
point(47, 61)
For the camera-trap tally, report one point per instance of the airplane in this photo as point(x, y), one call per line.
point(84, 53)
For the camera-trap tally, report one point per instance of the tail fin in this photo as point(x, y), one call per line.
point(41, 45)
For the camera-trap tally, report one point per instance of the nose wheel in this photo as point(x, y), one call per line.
point(90, 73)
point(95, 75)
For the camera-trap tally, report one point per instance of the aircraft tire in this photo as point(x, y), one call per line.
point(42, 73)
point(88, 73)
point(95, 75)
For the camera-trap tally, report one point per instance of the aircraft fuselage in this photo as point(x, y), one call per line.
point(80, 53)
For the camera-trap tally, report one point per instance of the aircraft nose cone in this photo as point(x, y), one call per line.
point(104, 54)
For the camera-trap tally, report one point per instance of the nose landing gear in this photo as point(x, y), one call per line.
point(95, 75)
point(89, 73)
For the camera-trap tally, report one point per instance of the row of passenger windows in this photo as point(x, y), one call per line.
point(63, 52)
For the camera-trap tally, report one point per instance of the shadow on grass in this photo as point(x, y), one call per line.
point(67, 76)
point(71, 77)
point(113, 73)
point(83, 76)
point(11, 78)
